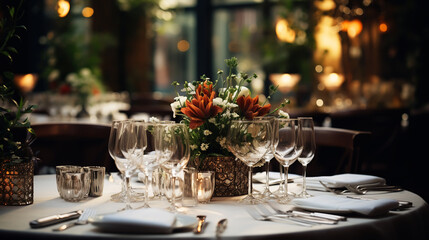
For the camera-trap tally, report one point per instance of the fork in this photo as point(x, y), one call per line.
point(326, 216)
point(253, 211)
point(83, 219)
point(332, 190)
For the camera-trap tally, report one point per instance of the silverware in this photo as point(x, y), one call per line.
point(200, 227)
point(328, 216)
point(221, 226)
point(302, 217)
point(253, 211)
point(83, 219)
point(333, 190)
point(54, 219)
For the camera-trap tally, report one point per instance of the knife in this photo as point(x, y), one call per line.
point(221, 226)
point(54, 219)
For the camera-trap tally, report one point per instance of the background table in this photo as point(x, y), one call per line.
point(14, 221)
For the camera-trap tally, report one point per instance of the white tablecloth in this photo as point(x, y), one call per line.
point(14, 220)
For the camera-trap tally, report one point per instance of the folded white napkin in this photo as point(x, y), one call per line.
point(148, 220)
point(260, 176)
point(327, 203)
point(341, 180)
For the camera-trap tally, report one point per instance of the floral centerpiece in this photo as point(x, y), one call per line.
point(208, 108)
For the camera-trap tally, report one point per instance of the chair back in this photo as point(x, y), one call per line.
point(81, 144)
point(337, 151)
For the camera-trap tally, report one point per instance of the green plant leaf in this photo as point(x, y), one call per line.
point(5, 53)
point(12, 49)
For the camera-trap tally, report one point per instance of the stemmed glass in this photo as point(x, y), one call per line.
point(249, 141)
point(132, 143)
point(287, 147)
point(309, 148)
point(267, 194)
point(172, 141)
point(151, 160)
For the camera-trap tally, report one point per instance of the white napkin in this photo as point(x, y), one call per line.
point(273, 176)
point(341, 180)
point(148, 220)
point(327, 203)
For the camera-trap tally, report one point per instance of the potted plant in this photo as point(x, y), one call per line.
point(16, 135)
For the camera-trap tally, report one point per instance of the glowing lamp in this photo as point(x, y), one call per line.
point(285, 81)
point(332, 81)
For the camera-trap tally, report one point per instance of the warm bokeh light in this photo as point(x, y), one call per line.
point(26, 82)
point(284, 32)
point(328, 44)
point(285, 81)
point(332, 81)
point(319, 102)
point(325, 5)
point(63, 8)
point(183, 45)
point(383, 27)
point(87, 12)
point(353, 28)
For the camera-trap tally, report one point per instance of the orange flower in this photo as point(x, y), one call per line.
point(201, 107)
point(251, 108)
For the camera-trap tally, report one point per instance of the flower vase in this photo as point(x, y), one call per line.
point(231, 176)
point(16, 183)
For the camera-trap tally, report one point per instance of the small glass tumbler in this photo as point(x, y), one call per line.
point(75, 185)
point(205, 186)
point(190, 194)
point(64, 168)
point(97, 180)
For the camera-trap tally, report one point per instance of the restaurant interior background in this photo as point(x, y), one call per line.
point(356, 64)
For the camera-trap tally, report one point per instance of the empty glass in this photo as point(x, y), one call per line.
point(286, 148)
point(205, 186)
point(74, 185)
point(308, 150)
point(249, 141)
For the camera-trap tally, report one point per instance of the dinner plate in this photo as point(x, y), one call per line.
point(183, 223)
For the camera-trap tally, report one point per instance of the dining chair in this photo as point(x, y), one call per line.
point(338, 150)
point(83, 144)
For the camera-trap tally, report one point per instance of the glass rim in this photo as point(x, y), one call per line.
point(249, 121)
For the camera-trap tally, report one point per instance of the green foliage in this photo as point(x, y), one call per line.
point(16, 133)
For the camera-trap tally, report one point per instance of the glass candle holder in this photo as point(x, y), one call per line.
point(205, 186)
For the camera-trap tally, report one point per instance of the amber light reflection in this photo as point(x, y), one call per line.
point(63, 8)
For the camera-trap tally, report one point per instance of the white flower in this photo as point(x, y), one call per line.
point(283, 114)
point(178, 103)
point(193, 147)
point(153, 119)
point(54, 75)
point(221, 141)
point(212, 120)
point(204, 146)
point(235, 115)
point(218, 102)
point(72, 78)
point(207, 132)
point(244, 91)
point(190, 88)
point(85, 72)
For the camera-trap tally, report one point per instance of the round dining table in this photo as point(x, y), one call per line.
point(410, 223)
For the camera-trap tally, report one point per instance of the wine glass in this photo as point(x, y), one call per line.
point(249, 141)
point(309, 148)
point(287, 147)
point(115, 153)
point(132, 143)
point(267, 194)
point(172, 141)
point(148, 162)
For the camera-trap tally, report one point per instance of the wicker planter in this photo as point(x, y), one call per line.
point(231, 176)
point(16, 184)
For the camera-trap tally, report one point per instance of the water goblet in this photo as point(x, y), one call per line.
point(287, 147)
point(132, 143)
point(308, 150)
point(173, 149)
point(249, 141)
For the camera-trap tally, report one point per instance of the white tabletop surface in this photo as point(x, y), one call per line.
point(14, 220)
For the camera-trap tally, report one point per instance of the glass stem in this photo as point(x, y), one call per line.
point(267, 177)
point(128, 193)
point(286, 170)
point(249, 190)
point(304, 176)
point(146, 195)
point(173, 194)
point(281, 178)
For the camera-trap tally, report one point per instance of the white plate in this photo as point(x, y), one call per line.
point(183, 222)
